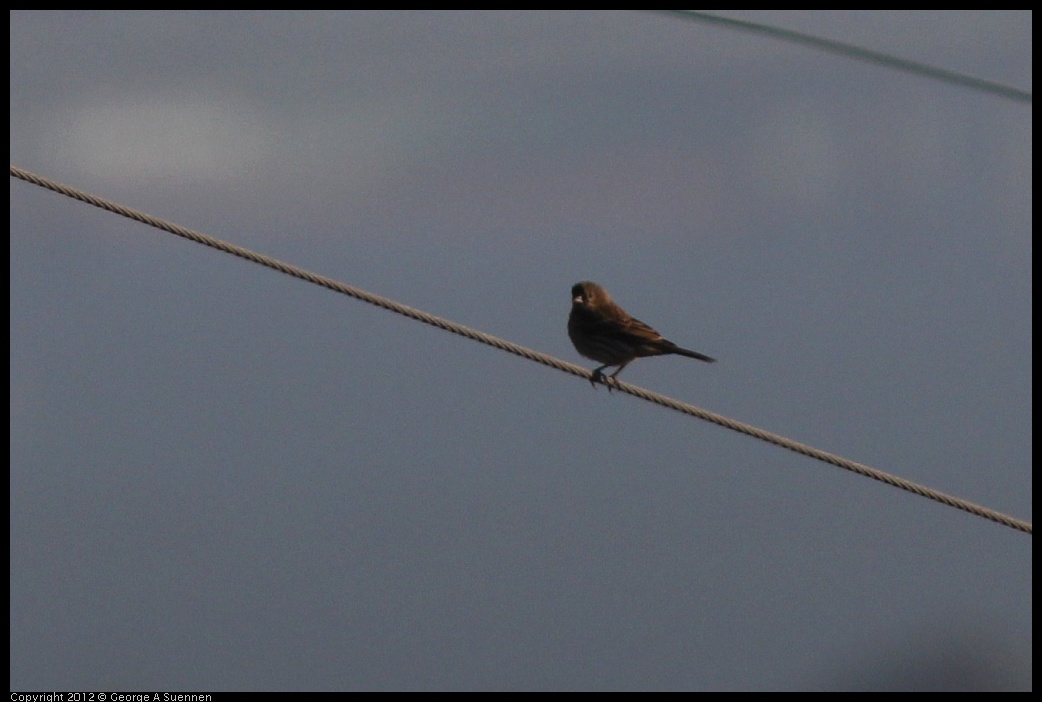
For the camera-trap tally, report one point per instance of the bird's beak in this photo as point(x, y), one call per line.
point(577, 300)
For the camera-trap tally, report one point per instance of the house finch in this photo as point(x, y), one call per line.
point(606, 333)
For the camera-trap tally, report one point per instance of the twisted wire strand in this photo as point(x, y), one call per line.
point(524, 352)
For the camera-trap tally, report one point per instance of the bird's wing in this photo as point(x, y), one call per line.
point(626, 329)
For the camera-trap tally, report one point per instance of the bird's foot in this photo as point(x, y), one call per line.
point(598, 377)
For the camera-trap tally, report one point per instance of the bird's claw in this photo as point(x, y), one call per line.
point(598, 377)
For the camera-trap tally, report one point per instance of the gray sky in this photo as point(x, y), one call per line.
point(223, 478)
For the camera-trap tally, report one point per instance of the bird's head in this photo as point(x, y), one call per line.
point(587, 294)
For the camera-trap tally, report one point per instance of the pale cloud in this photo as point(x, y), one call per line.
point(163, 136)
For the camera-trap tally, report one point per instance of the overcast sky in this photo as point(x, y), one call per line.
point(223, 478)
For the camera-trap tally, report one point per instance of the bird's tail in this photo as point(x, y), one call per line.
point(679, 350)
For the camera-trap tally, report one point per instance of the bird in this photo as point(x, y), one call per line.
point(606, 333)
